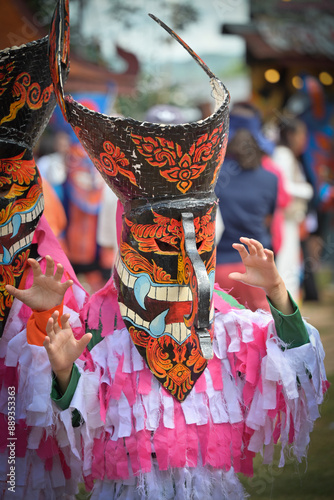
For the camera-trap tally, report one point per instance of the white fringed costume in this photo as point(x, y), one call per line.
point(45, 466)
point(140, 443)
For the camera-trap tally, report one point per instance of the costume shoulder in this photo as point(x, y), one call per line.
point(223, 301)
point(101, 313)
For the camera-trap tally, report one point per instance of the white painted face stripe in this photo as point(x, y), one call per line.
point(17, 245)
point(178, 331)
point(170, 293)
point(26, 240)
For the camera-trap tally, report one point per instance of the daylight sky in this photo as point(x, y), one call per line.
point(203, 36)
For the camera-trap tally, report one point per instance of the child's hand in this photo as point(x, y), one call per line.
point(63, 348)
point(260, 266)
point(262, 272)
point(47, 290)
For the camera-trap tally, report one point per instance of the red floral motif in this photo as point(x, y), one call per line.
point(25, 92)
point(112, 161)
point(177, 165)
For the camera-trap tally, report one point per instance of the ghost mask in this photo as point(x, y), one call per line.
point(164, 175)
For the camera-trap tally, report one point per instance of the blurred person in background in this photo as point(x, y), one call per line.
point(106, 232)
point(84, 190)
point(291, 145)
point(247, 201)
point(52, 152)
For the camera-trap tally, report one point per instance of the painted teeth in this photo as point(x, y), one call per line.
point(174, 293)
point(26, 241)
point(178, 331)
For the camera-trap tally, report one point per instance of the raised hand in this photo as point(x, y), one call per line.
point(259, 262)
point(262, 272)
point(63, 348)
point(47, 290)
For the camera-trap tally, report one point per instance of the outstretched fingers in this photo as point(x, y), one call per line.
point(14, 291)
point(52, 326)
point(50, 266)
point(36, 268)
point(59, 272)
point(241, 249)
point(270, 255)
point(259, 247)
point(84, 341)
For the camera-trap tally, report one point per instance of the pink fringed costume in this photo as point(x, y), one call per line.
point(180, 385)
point(36, 461)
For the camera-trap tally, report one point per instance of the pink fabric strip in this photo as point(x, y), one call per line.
point(200, 385)
point(144, 383)
point(214, 366)
point(248, 393)
point(131, 446)
point(98, 457)
point(129, 388)
point(218, 451)
point(219, 303)
point(121, 460)
point(237, 433)
point(110, 460)
point(21, 433)
point(177, 445)
point(48, 447)
point(145, 451)
point(119, 380)
point(65, 468)
point(160, 441)
point(192, 445)
point(103, 398)
point(48, 464)
point(108, 314)
point(253, 364)
point(203, 435)
point(291, 430)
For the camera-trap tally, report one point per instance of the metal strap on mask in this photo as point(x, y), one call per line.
point(201, 287)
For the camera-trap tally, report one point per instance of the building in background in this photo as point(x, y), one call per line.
point(284, 41)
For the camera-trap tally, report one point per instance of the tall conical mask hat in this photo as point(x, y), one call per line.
point(27, 102)
point(164, 176)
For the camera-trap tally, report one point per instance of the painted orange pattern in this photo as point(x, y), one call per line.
point(113, 161)
point(5, 78)
point(175, 372)
point(26, 93)
point(17, 170)
point(169, 230)
point(8, 276)
point(176, 366)
point(177, 165)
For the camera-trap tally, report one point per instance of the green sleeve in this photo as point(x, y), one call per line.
point(229, 299)
point(290, 328)
point(64, 400)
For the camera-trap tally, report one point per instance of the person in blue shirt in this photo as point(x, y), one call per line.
point(247, 200)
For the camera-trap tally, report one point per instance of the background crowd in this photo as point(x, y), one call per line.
point(275, 186)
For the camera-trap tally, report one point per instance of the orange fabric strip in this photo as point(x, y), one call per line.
point(36, 325)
